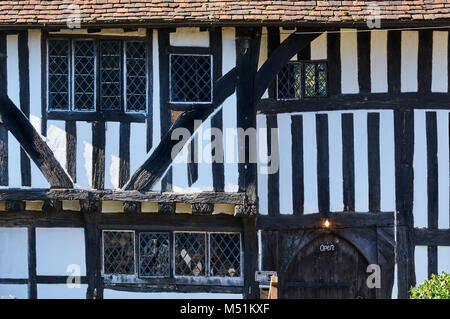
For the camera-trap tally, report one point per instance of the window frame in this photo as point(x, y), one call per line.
point(172, 278)
point(102, 245)
point(138, 236)
point(211, 56)
point(98, 114)
point(302, 79)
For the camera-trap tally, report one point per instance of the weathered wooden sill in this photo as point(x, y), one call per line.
point(118, 201)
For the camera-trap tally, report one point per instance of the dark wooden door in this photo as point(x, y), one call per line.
point(329, 267)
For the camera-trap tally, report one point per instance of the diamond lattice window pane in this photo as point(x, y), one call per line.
point(110, 75)
point(118, 252)
point(225, 255)
point(84, 75)
point(190, 251)
point(136, 76)
point(58, 74)
point(289, 82)
point(154, 254)
point(190, 78)
point(315, 79)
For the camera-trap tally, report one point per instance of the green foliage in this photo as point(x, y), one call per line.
point(437, 287)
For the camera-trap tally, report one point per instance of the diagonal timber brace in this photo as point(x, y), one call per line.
point(154, 167)
point(31, 142)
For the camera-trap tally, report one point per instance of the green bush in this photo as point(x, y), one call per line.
point(437, 287)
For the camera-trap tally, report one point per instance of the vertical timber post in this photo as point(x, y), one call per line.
point(92, 239)
point(247, 54)
point(404, 180)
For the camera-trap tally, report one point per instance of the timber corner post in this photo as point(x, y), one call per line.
point(248, 42)
point(404, 154)
point(91, 214)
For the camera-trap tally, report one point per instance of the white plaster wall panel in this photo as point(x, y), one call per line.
point(57, 140)
point(57, 248)
point(138, 146)
point(12, 65)
point(14, 291)
point(60, 291)
point(439, 79)
point(284, 34)
point(263, 51)
point(378, 61)
point(205, 180)
point(114, 294)
point(395, 285)
point(443, 169)
point(179, 169)
point(387, 162)
point(310, 163)
point(285, 149)
point(409, 61)
point(335, 155)
point(349, 61)
point(84, 155)
point(443, 259)
point(13, 253)
point(112, 155)
point(420, 207)
point(263, 54)
point(421, 264)
point(319, 47)
point(156, 112)
point(229, 113)
point(263, 163)
point(189, 37)
point(361, 162)
point(34, 46)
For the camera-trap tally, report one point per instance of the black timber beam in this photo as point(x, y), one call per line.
point(431, 237)
point(376, 101)
point(17, 123)
point(118, 195)
point(154, 167)
point(337, 220)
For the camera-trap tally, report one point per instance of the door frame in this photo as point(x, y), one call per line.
point(372, 234)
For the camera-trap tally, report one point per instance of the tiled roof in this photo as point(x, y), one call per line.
point(184, 11)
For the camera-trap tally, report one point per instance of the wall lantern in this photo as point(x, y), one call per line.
point(326, 221)
point(244, 45)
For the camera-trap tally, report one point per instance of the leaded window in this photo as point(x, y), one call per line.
point(84, 75)
point(110, 75)
point(289, 82)
point(298, 80)
point(225, 255)
point(118, 252)
point(154, 254)
point(171, 255)
point(136, 76)
point(315, 79)
point(97, 75)
point(190, 78)
point(58, 74)
point(190, 254)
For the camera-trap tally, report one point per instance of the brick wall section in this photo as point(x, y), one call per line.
point(182, 11)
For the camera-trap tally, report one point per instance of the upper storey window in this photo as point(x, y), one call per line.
point(190, 78)
point(302, 80)
point(97, 75)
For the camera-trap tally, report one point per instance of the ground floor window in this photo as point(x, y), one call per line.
point(172, 254)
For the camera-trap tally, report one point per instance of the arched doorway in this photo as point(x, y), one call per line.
point(328, 267)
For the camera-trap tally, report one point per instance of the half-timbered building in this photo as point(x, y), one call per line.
point(317, 147)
